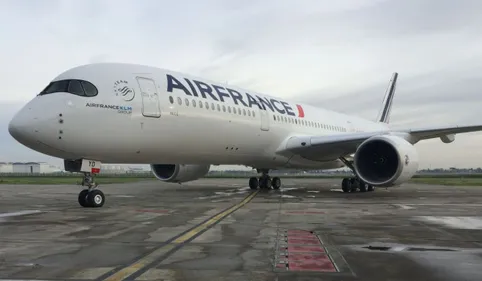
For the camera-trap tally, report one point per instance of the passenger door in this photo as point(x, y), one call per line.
point(150, 97)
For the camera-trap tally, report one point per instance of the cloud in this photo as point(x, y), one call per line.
point(333, 54)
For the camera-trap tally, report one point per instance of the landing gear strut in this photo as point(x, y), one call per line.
point(353, 183)
point(264, 181)
point(91, 197)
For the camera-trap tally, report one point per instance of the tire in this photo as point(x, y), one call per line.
point(253, 183)
point(96, 198)
point(83, 198)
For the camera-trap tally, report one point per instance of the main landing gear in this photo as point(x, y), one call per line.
point(354, 183)
point(264, 181)
point(91, 197)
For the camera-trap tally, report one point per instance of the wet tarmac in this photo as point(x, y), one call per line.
point(218, 229)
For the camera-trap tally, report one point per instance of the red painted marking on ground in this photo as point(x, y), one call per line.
point(303, 241)
point(306, 256)
point(154, 211)
point(298, 248)
point(323, 264)
point(304, 237)
point(304, 252)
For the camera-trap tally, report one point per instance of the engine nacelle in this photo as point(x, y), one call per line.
point(386, 161)
point(179, 172)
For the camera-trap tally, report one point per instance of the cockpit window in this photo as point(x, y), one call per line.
point(75, 87)
point(89, 89)
point(57, 86)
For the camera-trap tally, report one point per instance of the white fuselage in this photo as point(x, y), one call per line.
point(143, 115)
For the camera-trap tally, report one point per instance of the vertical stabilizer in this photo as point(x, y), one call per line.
point(384, 113)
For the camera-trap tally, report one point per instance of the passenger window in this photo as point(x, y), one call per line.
point(249, 112)
point(253, 114)
point(224, 108)
point(179, 101)
point(212, 106)
point(229, 109)
point(171, 100)
point(200, 104)
point(75, 88)
point(187, 102)
point(218, 107)
point(244, 112)
point(207, 105)
point(89, 89)
point(194, 103)
point(239, 111)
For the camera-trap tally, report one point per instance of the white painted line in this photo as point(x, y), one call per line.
point(20, 213)
point(455, 222)
point(288, 188)
point(405, 207)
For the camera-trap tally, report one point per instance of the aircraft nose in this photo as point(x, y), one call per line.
point(21, 128)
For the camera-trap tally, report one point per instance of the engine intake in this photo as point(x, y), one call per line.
point(179, 172)
point(386, 160)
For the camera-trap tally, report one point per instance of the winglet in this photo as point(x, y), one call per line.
point(384, 113)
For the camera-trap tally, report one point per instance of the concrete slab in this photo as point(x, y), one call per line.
point(413, 232)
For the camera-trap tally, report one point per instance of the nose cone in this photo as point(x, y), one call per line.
point(21, 128)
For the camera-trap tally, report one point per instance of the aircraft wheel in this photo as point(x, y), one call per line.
point(264, 182)
point(83, 198)
point(344, 185)
point(276, 183)
point(95, 198)
point(370, 188)
point(362, 186)
point(353, 184)
point(253, 183)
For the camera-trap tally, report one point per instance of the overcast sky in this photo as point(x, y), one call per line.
point(334, 54)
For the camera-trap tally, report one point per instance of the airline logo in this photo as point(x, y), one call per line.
point(122, 88)
point(221, 94)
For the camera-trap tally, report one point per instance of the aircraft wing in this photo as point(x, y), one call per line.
point(437, 132)
point(327, 148)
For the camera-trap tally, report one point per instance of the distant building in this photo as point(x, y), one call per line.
point(113, 169)
point(6, 168)
point(32, 168)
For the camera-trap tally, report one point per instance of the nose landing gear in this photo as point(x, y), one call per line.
point(91, 197)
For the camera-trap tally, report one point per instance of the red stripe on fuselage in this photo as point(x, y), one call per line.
point(301, 112)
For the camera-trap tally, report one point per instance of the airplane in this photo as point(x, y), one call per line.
point(181, 125)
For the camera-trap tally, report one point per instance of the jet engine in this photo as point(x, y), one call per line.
point(386, 161)
point(179, 172)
